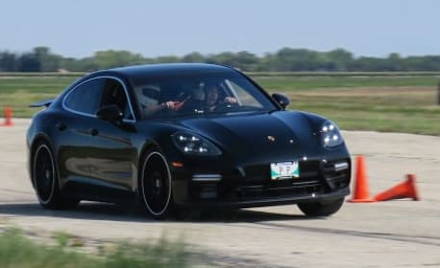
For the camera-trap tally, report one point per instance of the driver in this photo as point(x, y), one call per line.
point(212, 100)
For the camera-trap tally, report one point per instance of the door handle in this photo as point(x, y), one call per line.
point(61, 126)
point(93, 131)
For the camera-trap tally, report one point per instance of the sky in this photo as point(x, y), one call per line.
point(78, 28)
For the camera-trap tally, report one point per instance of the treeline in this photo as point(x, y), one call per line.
point(41, 59)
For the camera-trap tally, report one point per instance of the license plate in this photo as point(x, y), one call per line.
point(284, 170)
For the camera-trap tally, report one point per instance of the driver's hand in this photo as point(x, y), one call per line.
point(231, 100)
point(172, 105)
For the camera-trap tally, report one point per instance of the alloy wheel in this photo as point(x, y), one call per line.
point(156, 184)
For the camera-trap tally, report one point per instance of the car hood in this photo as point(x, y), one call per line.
point(278, 135)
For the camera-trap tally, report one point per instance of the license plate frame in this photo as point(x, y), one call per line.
point(284, 170)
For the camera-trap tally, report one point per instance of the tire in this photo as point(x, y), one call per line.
point(322, 208)
point(45, 179)
point(156, 186)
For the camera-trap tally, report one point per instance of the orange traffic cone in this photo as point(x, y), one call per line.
point(406, 189)
point(361, 192)
point(8, 117)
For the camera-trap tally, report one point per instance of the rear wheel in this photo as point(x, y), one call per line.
point(156, 185)
point(45, 180)
point(321, 208)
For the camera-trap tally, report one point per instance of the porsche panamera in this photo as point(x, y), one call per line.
point(168, 137)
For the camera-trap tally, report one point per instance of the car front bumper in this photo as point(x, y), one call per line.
point(251, 186)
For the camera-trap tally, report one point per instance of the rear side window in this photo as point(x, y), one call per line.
point(86, 98)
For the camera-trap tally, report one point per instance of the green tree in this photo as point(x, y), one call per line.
point(8, 62)
point(286, 59)
point(394, 62)
point(167, 59)
point(339, 59)
point(29, 62)
point(193, 57)
point(116, 58)
point(48, 62)
point(289, 59)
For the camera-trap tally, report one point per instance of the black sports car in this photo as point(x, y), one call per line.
point(175, 136)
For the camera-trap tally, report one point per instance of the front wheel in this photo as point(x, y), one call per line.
point(155, 185)
point(321, 208)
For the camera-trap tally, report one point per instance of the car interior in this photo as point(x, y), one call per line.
point(114, 94)
point(189, 92)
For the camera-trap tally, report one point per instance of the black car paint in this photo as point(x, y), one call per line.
point(99, 160)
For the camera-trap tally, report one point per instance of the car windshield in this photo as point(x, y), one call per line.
point(200, 94)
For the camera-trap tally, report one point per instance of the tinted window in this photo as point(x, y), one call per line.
point(87, 97)
point(200, 93)
point(114, 94)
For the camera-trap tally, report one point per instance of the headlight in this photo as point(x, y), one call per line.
point(194, 144)
point(330, 135)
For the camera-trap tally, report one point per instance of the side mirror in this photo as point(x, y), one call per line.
point(281, 99)
point(110, 113)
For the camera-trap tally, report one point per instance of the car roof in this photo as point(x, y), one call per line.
point(168, 69)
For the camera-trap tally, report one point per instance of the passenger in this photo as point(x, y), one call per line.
point(155, 108)
point(151, 105)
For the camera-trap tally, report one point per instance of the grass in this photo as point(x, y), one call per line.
point(395, 102)
point(402, 103)
point(289, 83)
point(19, 92)
point(390, 109)
point(16, 250)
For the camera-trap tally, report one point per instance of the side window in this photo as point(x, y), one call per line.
point(86, 98)
point(243, 97)
point(114, 94)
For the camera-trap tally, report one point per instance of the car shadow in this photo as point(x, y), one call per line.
point(111, 212)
